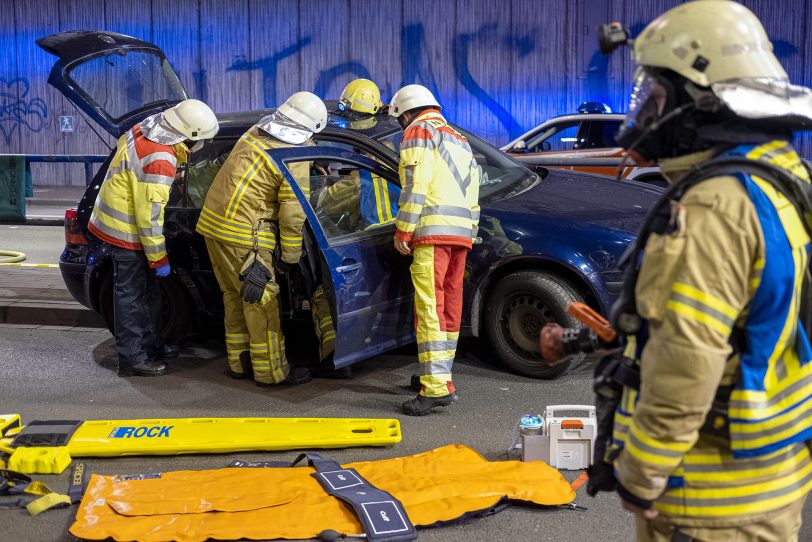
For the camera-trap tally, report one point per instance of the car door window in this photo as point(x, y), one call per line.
point(601, 134)
point(348, 199)
point(199, 173)
point(562, 137)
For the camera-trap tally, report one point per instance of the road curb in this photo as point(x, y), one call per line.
point(49, 314)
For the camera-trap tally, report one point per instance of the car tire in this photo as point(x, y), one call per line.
point(175, 317)
point(517, 308)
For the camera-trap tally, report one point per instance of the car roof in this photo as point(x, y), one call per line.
point(236, 123)
point(573, 117)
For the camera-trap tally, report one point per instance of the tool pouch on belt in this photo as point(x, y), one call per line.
point(257, 270)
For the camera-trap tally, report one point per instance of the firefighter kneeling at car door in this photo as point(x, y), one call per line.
point(436, 223)
point(129, 215)
point(711, 442)
point(248, 204)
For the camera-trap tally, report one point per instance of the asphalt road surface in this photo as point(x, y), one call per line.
point(41, 244)
point(49, 373)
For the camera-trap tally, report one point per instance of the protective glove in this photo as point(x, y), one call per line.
point(255, 277)
point(163, 271)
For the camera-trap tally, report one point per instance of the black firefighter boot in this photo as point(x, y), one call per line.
point(245, 363)
point(422, 405)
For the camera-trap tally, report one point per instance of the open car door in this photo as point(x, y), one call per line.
point(115, 79)
point(367, 283)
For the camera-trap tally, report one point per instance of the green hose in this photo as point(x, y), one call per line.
point(12, 256)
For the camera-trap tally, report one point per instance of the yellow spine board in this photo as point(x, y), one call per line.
point(171, 436)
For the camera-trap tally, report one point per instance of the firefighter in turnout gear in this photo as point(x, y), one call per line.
point(129, 215)
point(250, 210)
point(712, 442)
point(436, 223)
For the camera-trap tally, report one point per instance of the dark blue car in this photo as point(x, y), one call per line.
point(547, 237)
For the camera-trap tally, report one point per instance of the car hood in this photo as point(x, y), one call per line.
point(583, 199)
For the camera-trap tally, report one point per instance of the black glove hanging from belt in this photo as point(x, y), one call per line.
point(255, 277)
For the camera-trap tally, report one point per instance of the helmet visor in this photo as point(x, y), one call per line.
point(647, 101)
point(284, 129)
point(157, 129)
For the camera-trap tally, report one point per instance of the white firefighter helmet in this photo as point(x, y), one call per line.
point(193, 119)
point(307, 110)
point(411, 97)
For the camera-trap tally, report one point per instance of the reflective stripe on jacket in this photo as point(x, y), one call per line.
point(249, 189)
point(439, 203)
point(378, 199)
point(129, 210)
point(737, 260)
point(362, 198)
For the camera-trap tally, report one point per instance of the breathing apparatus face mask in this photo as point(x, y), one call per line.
point(651, 100)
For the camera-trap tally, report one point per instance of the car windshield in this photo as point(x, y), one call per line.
point(502, 176)
point(150, 80)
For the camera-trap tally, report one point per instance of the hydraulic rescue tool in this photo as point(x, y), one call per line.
point(47, 446)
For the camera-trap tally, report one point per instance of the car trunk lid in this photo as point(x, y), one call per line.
point(116, 80)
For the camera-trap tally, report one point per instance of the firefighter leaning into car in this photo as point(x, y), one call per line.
point(712, 445)
point(367, 199)
point(248, 203)
point(361, 196)
point(129, 215)
point(436, 223)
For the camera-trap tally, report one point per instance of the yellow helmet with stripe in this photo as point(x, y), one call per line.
point(361, 96)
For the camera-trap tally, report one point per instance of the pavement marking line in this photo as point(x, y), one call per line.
point(29, 264)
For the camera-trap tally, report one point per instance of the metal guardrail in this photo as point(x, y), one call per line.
point(87, 159)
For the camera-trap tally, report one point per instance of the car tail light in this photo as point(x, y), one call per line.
point(73, 230)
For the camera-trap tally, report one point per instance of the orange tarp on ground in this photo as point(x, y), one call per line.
point(267, 503)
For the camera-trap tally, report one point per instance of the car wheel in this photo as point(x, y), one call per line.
point(175, 316)
point(517, 308)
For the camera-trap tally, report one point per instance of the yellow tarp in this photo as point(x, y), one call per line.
point(267, 503)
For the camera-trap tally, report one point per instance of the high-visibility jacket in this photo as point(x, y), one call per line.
point(129, 210)
point(441, 485)
point(362, 197)
point(250, 189)
point(735, 260)
point(439, 204)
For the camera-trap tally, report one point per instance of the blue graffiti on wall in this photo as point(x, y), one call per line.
point(268, 67)
point(17, 110)
point(462, 48)
point(416, 65)
point(328, 76)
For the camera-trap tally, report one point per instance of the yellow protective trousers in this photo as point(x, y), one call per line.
point(253, 327)
point(323, 322)
point(437, 274)
point(440, 485)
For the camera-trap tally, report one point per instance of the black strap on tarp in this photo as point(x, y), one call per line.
point(383, 516)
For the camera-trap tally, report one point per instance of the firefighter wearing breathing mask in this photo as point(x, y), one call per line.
point(129, 215)
point(248, 211)
point(711, 440)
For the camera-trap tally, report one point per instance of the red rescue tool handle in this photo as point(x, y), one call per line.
point(594, 321)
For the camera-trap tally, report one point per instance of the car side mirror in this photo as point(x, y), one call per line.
point(520, 146)
point(546, 146)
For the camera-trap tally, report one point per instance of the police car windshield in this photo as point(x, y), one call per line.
point(502, 176)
